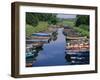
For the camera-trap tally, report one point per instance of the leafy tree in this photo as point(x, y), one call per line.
point(34, 18)
point(82, 19)
point(53, 20)
point(31, 20)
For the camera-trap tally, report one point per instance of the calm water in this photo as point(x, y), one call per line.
point(53, 53)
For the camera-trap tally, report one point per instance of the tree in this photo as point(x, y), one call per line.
point(31, 19)
point(53, 20)
point(34, 18)
point(82, 19)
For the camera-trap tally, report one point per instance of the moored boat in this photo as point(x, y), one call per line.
point(29, 65)
point(77, 51)
point(41, 34)
point(37, 40)
point(77, 46)
point(29, 54)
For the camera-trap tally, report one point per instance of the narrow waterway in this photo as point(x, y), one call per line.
point(53, 53)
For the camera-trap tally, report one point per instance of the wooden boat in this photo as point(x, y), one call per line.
point(77, 46)
point(74, 38)
point(41, 34)
point(29, 65)
point(40, 37)
point(77, 50)
point(77, 53)
point(28, 49)
point(30, 52)
point(37, 44)
point(36, 40)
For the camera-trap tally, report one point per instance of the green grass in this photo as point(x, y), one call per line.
point(68, 22)
point(82, 29)
point(40, 27)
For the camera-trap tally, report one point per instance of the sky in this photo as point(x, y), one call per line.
point(66, 16)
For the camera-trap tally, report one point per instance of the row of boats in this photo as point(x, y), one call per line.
point(77, 47)
point(35, 43)
point(37, 40)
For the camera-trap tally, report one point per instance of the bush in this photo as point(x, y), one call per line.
point(52, 20)
point(31, 20)
point(84, 27)
point(82, 19)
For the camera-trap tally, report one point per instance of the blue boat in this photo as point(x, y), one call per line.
point(41, 34)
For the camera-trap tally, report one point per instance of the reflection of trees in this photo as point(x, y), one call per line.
point(77, 58)
point(38, 48)
point(68, 57)
point(54, 36)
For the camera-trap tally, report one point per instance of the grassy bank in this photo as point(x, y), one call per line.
point(40, 27)
point(68, 22)
point(82, 29)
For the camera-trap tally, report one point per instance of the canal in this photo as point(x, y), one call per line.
point(53, 53)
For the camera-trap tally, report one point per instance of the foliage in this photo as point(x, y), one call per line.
point(31, 20)
point(52, 20)
point(40, 27)
point(34, 18)
point(82, 19)
point(82, 29)
point(82, 24)
point(68, 22)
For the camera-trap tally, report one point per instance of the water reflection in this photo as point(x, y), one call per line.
point(35, 51)
point(54, 36)
point(77, 58)
point(54, 53)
